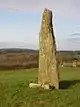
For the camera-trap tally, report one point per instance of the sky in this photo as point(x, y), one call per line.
point(20, 22)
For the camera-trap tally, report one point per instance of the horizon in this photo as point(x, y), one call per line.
point(19, 48)
point(20, 23)
point(22, 46)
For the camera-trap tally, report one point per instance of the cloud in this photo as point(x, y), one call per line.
point(70, 44)
point(70, 8)
point(75, 34)
point(75, 39)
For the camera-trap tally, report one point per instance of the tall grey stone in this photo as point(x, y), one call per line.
point(48, 66)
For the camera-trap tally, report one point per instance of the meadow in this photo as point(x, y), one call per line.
point(14, 90)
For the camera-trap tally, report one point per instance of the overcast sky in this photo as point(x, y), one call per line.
point(20, 22)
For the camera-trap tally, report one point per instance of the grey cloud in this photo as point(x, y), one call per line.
point(76, 39)
point(69, 44)
point(75, 34)
point(73, 43)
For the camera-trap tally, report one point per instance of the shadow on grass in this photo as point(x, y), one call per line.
point(65, 84)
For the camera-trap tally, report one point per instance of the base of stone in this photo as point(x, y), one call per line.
point(44, 86)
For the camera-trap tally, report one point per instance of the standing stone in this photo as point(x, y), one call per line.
point(48, 67)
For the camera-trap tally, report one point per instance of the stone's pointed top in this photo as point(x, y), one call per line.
point(47, 10)
point(47, 13)
point(47, 18)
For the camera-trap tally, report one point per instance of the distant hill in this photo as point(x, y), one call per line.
point(33, 51)
point(16, 50)
point(16, 58)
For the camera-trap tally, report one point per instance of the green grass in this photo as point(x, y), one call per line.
point(14, 90)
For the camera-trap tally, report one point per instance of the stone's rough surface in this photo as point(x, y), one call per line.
point(48, 67)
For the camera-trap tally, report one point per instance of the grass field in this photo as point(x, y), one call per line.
point(14, 90)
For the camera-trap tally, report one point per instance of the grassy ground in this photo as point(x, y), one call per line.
point(14, 90)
